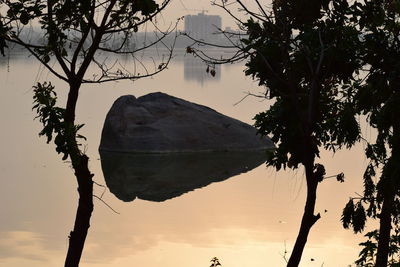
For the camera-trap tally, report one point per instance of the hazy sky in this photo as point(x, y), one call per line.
point(179, 8)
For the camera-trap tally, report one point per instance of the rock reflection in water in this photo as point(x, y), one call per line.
point(158, 177)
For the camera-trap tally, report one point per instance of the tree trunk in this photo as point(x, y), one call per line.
point(308, 219)
point(84, 179)
point(384, 230)
point(391, 170)
point(84, 212)
point(71, 102)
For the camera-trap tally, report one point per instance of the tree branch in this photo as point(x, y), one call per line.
point(82, 39)
point(28, 47)
point(51, 28)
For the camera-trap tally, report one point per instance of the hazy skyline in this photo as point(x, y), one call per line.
point(179, 8)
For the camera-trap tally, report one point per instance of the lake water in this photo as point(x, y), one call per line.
point(248, 220)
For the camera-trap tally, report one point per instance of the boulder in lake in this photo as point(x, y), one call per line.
point(160, 123)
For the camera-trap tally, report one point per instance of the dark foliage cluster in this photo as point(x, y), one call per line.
point(370, 246)
point(378, 98)
point(326, 65)
point(318, 55)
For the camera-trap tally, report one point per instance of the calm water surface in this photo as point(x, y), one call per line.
point(247, 220)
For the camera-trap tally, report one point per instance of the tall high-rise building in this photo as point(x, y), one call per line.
point(202, 26)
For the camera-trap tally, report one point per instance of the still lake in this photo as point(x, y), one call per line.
point(248, 220)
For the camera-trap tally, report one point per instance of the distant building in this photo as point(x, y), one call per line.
point(202, 26)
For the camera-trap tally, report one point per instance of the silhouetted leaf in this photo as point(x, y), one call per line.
point(212, 72)
point(358, 218)
point(340, 177)
point(347, 214)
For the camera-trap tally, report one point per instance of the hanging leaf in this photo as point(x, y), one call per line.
point(347, 214)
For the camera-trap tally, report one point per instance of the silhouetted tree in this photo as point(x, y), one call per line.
point(379, 98)
point(304, 54)
point(72, 32)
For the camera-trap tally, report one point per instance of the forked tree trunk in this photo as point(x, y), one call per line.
point(308, 220)
point(84, 212)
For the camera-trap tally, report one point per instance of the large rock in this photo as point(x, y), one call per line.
point(160, 123)
point(158, 177)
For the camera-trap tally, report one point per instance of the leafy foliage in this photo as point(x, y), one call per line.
point(354, 215)
point(325, 63)
point(52, 118)
point(378, 97)
point(368, 252)
point(310, 75)
point(304, 53)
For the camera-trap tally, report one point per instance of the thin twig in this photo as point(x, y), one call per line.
point(105, 188)
point(106, 204)
point(247, 95)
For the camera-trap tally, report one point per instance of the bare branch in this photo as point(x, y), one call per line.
point(262, 10)
point(223, 6)
point(251, 13)
point(263, 96)
point(51, 29)
point(108, 75)
point(105, 203)
point(151, 44)
point(16, 40)
point(82, 39)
